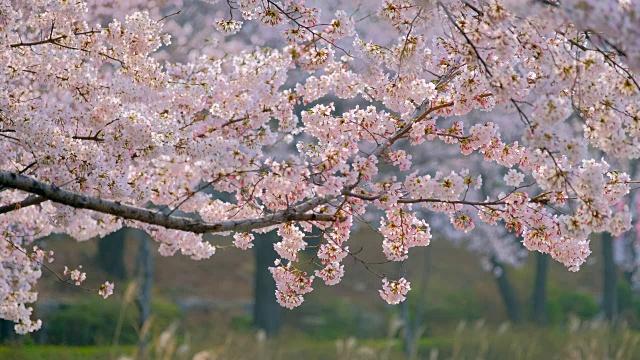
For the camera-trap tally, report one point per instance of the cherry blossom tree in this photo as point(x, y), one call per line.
point(102, 128)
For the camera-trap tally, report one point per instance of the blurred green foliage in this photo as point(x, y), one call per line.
point(566, 303)
point(336, 319)
point(48, 352)
point(94, 322)
point(460, 305)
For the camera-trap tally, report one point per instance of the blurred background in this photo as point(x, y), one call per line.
point(462, 306)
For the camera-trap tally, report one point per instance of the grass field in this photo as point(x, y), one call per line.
point(472, 341)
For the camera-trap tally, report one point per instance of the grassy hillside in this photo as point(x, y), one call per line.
point(454, 277)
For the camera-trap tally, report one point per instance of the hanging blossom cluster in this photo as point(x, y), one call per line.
point(97, 133)
point(291, 284)
point(75, 275)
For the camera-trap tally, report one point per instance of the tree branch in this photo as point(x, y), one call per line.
point(31, 200)
point(41, 42)
point(79, 201)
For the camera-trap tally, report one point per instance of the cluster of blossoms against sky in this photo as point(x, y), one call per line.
point(126, 122)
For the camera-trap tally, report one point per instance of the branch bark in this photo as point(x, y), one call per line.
point(80, 201)
point(31, 200)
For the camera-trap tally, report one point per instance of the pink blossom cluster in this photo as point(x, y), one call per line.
point(291, 284)
point(402, 232)
point(106, 289)
point(394, 292)
point(75, 275)
point(243, 241)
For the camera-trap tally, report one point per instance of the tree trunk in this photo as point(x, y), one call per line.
point(110, 255)
point(407, 326)
point(506, 292)
point(145, 273)
point(628, 278)
point(412, 329)
point(267, 313)
point(6, 331)
point(609, 297)
point(539, 297)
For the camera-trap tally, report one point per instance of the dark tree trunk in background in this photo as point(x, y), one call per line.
point(412, 327)
point(110, 255)
point(145, 274)
point(267, 313)
point(6, 330)
point(628, 277)
point(610, 279)
point(506, 292)
point(422, 295)
point(407, 325)
point(633, 234)
point(539, 297)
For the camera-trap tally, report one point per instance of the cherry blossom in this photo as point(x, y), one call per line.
point(228, 27)
point(394, 292)
point(243, 241)
point(513, 178)
point(106, 289)
point(331, 274)
point(75, 275)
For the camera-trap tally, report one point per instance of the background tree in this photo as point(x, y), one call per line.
point(267, 313)
point(609, 279)
point(110, 255)
point(539, 295)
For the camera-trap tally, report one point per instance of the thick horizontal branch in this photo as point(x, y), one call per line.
point(80, 201)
